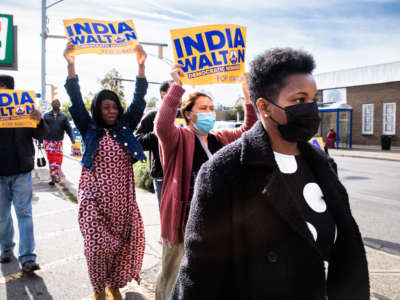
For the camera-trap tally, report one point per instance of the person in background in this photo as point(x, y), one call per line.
point(58, 123)
point(147, 138)
point(182, 151)
point(109, 217)
point(269, 217)
point(17, 154)
point(330, 140)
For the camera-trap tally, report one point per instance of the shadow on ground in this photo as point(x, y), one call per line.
point(389, 247)
point(380, 297)
point(21, 286)
point(134, 296)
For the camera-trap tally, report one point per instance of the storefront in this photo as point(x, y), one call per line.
point(361, 105)
point(341, 121)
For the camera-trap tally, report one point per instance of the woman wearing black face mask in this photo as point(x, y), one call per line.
point(269, 218)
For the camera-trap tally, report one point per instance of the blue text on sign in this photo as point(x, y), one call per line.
point(212, 41)
point(6, 100)
point(98, 32)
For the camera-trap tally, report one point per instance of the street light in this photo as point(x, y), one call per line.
point(44, 36)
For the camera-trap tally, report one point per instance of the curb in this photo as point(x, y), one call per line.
point(383, 247)
point(72, 158)
point(64, 191)
point(366, 157)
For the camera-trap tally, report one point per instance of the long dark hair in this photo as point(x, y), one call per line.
point(96, 106)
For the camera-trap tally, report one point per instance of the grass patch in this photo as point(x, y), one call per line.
point(143, 178)
point(65, 191)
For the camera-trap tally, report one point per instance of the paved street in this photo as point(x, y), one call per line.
point(374, 190)
point(371, 184)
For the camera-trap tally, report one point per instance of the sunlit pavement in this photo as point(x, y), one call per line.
point(63, 273)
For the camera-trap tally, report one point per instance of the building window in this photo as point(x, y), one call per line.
point(367, 119)
point(334, 97)
point(389, 118)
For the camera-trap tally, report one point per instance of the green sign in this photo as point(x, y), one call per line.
point(6, 40)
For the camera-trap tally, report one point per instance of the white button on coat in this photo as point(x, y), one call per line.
point(125, 144)
point(114, 135)
point(135, 153)
point(123, 127)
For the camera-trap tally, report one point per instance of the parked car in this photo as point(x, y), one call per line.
point(227, 124)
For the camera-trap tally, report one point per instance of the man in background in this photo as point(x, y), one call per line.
point(17, 161)
point(146, 136)
point(57, 123)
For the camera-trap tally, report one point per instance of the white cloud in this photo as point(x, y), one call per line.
point(166, 8)
point(155, 16)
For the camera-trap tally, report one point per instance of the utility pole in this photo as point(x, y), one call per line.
point(43, 100)
point(43, 36)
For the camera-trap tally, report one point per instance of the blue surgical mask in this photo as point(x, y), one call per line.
point(205, 122)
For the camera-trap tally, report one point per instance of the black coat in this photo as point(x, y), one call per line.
point(16, 149)
point(246, 239)
point(147, 138)
point(57, 126)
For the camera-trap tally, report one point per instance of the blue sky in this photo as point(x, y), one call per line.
point(340, 34)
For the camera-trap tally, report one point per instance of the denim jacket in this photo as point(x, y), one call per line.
point(122, 131)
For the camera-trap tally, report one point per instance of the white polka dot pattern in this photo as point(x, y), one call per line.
point(326, 267)
point(312, 230)
point(287, 163)
point(313, 195)
point(334, 240)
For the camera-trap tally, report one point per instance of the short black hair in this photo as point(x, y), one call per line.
point(269, 70)
point(164, 87)
point(7, 80)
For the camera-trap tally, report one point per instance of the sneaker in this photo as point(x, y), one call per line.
point(51, 182)
point(6, 256)
point(30, 266)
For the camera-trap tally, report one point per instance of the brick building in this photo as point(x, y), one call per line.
point(373, 93)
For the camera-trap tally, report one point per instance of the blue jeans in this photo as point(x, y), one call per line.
point(17, 189)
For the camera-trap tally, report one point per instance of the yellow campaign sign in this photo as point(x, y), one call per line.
point(15, 107)
point(210, 54)
point(101, 37)
point(77, 149)
point(317, 142)
point(180, 122)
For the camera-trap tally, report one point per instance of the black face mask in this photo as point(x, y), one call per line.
point(56, 107)
point(302, 122)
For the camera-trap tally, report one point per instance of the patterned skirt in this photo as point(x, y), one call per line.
point(109, 218)
point(54, 152)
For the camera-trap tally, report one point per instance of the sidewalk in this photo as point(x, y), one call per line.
point(148, 206)
point(384, 268)
point(373, 152)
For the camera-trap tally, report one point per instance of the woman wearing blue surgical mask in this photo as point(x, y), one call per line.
point(182, 153)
